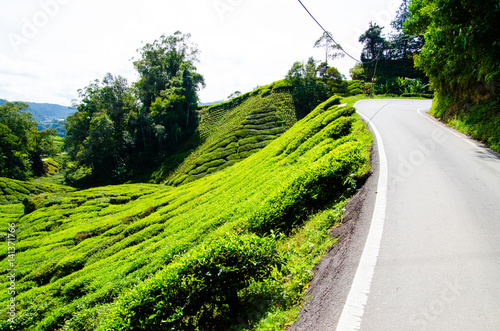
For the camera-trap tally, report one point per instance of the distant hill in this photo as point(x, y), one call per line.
point(48, 115)
point(203, 104)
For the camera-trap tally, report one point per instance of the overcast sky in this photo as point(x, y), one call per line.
point(51, 48)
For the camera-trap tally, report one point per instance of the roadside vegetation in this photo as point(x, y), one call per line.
point(461, 57)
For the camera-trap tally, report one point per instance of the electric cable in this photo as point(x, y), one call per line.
point(336, 43)
point(328, 33)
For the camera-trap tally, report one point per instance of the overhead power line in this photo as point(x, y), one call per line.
point(328, 33)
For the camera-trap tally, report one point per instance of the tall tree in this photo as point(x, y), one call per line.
point(374, 43)
point(16, 130)
point(331, 48)
point(309, 90)
point(168, 87)
point(161, 62)
point(373, 50)
point(389, 59)
point(404, 46)
point(99, 134)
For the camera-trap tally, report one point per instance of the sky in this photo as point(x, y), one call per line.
point(49, 49)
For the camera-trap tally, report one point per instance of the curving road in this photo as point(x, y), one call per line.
point(438, 261)
point(429, 244)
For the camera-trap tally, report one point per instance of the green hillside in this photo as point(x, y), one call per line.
point(46, 112)
point(236, 129)
point(230, 250)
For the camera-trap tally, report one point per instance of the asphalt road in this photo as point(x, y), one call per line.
point(432, 255)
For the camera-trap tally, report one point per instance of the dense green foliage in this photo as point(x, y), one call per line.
point(21, 144)
point(462, 45)
point(461, 56)
point(309, 90)
point(100, 134)
point(153, 257)
point(480, 120)
point(385, 60)
point(120, 131)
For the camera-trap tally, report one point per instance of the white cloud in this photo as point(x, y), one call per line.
point(66, 44)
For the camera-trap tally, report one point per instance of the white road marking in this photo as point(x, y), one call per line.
point(450, 130)
point(354, 308)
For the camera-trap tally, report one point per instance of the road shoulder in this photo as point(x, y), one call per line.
point(334, 274)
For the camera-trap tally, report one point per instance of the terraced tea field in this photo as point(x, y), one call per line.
point(233, 249)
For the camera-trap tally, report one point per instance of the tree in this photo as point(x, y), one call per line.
point(357, 72)
point(310, 68)
point(322, 68)
point(374, 43)
point(373, 50)
point(309, 90)
point(462, 45)
point(331, 48)
point(12, 162)
point(167, 87)
point(42, 145)
point(404, 45)
point(22, 146)
point(334, 74)
point(161, 62)
point(100, 135)
point(389, 59)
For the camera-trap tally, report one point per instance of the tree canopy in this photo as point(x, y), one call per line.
point(21, 144)
point(461, 54)
point(388, 58)
point(119, 128)
point(309, 90)
point(331, 48)
point(99, 134)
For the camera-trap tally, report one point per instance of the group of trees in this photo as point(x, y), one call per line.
point(461, 55)
point(22, 146)
point(119, 127)
point(453, 44)
point(315, 81)
point(313, 84)
point(387, 60)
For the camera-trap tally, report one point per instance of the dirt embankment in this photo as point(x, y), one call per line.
point(333, 275)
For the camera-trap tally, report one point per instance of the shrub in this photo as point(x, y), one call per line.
point(355, 91)
point(200, 290)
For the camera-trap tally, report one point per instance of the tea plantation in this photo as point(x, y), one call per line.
point(232, 250)
point(236, 129)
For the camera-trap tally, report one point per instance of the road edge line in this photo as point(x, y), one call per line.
point(453, 131)
point(350, 318)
